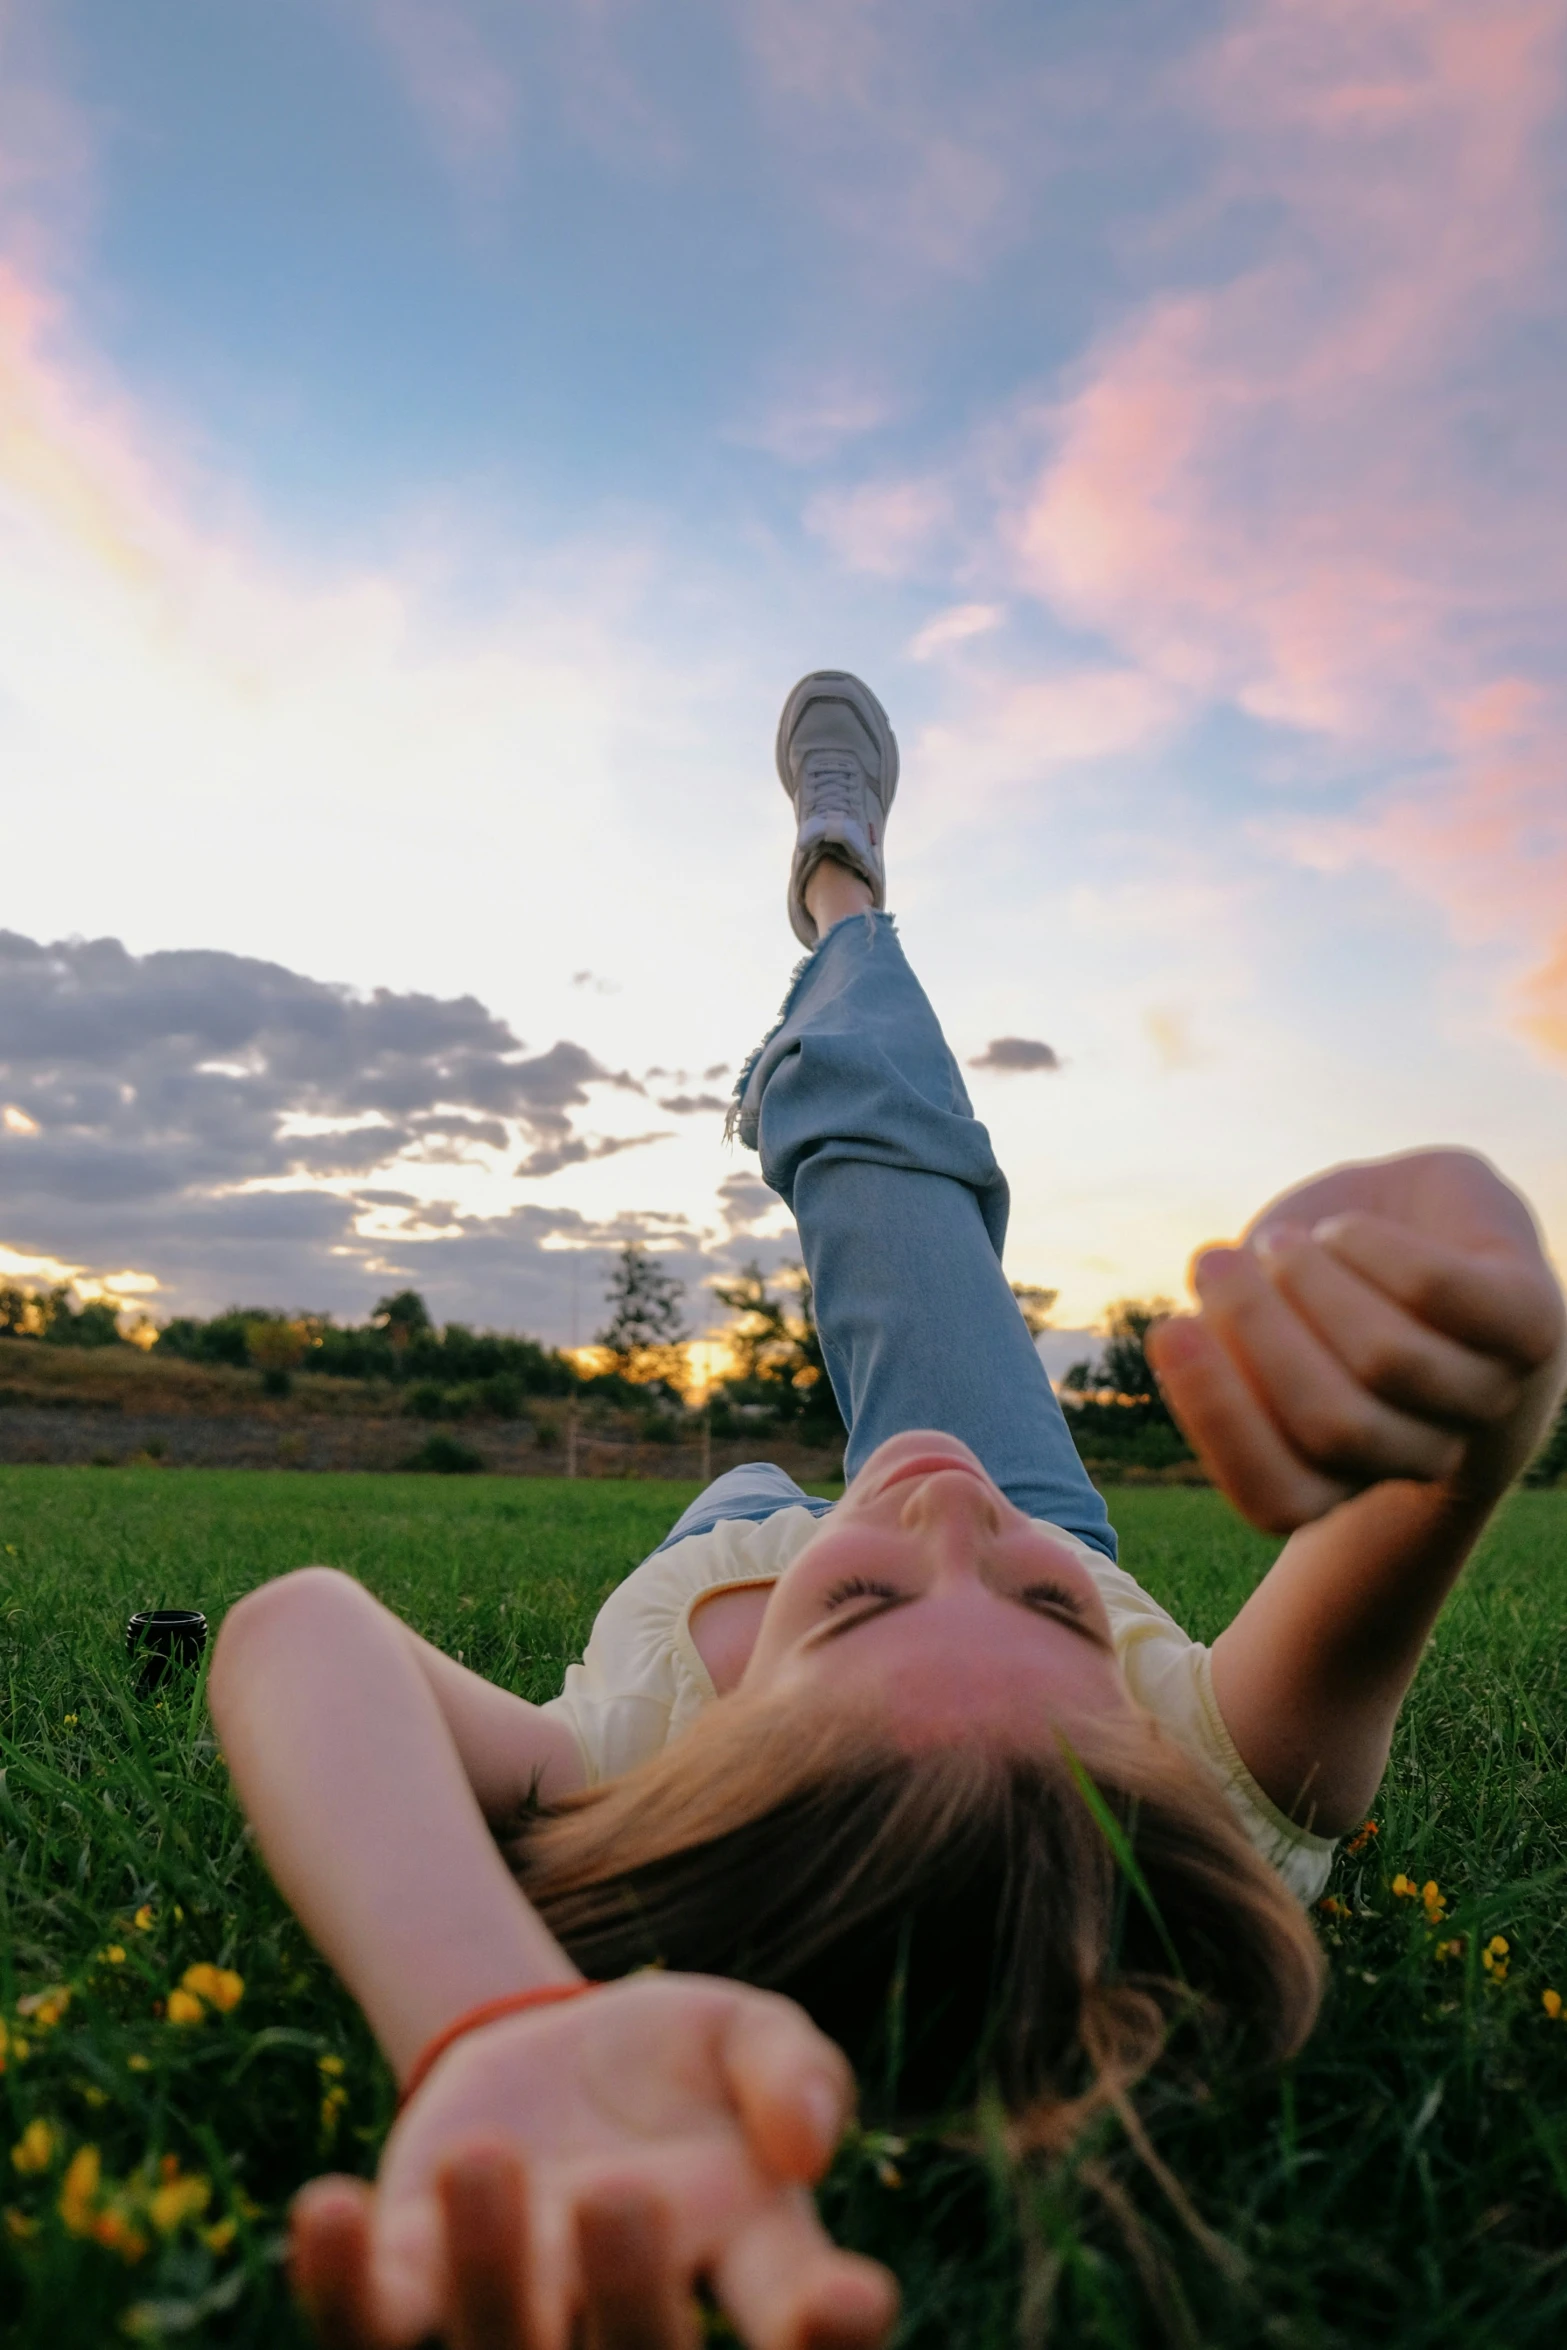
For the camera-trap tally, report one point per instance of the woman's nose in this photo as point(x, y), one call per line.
point(955, 1510)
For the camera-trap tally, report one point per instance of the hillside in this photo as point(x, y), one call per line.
point(117, 1404)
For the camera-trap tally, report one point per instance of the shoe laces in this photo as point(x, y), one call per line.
point(831, 783)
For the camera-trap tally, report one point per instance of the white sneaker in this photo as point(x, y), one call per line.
point(838, 761)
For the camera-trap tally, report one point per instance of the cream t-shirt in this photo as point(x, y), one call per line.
point(641, 1680)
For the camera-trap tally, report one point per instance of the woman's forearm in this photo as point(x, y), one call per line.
point(351, 1779)
point(1310, 1675)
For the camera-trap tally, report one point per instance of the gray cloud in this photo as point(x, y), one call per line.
point(157, 1085)
point(744, 1200)
point(686, 1105)
point(550, 1157)
point(1016, 1053)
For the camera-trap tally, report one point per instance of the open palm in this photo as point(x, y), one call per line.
point(586, 2165)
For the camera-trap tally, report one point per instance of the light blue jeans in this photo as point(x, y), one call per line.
point(866, 1132)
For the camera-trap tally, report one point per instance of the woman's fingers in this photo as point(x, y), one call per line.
point(1496, 1301)
point(785, 2286)
point(792, 2086)
point(484, 2204)
point(1232, 1435)
point(633, 2297)
point(329, 2259)
point(1383, 1345)
point(1326, 1416)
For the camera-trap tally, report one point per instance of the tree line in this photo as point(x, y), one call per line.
point(779, 1381)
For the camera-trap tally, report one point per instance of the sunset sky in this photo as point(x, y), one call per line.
point(434, 434)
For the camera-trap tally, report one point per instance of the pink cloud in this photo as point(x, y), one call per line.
point(1326, 489)
point(880, 120)
point(46, 158)
point(887, 528)
point(1486, 840)
point(1015, 731)
point(464, 94)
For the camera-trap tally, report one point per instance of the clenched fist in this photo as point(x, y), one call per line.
point(1396, 1319)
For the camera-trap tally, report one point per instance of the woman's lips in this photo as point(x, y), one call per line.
point(930, 1465)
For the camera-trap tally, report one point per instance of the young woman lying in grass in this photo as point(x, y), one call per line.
point(925, 1755)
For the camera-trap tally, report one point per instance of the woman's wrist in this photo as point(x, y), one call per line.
point(474, 2019)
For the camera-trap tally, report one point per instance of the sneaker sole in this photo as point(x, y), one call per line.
point(836, 685)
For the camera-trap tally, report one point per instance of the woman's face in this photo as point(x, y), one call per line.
point(927, 1596)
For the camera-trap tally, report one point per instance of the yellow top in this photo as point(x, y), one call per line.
point(641, 1681)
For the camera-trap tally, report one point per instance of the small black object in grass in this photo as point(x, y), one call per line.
point(162, 1638)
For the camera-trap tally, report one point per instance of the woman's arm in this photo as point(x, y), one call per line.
point(1372, 1365)
point(368, 1764)
point(1311, 1674)
point(692, 2113)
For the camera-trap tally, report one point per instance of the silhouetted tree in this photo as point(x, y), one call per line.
point(644, 1330)
point(779, 1350)
point(404, 1316)
point(1123, 1364)
point(1034, 1304)
point(760, 1338)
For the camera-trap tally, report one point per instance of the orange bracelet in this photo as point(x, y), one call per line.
point(489, 2011)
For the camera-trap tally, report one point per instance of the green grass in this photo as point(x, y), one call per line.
point(1404, 2182)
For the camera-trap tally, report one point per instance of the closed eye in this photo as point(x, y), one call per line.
point(860, 1587)
point(1054, 1600)
point(1051, 1596)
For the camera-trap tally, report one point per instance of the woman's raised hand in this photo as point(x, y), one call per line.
point(569, 2175)
point(1392, 1320)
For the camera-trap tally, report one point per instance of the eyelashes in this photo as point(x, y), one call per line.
point(1050, 1596)
point(860, 1587)
point(1046, 1598)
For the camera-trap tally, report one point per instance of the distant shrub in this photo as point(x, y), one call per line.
point(502, 1394)
point(443, 1456)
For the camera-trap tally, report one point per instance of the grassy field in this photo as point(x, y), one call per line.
point(1405, 2182)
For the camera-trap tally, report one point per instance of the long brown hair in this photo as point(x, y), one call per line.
point(963, 1916)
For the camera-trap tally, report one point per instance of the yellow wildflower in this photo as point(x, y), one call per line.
point(139, 2064)
point(1362, 1837)
point(142, 1921)
point(219, 1986)
point(332, 2105)
point(221, 2234)
point(69, 1723)
point(18, 2225)
point(332, 2066)
point(44, 2009)
point(1551, 2001)
point(112, 1954)
point(177, 2201)
point(1434, 1899)
point(36, 2147)
point(94, 2096)
point(1405, 1887)
point(113, 2229)
point(79, 2190)
point(1452, 1949)
point(185, 2008)
point(1494, 1958)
